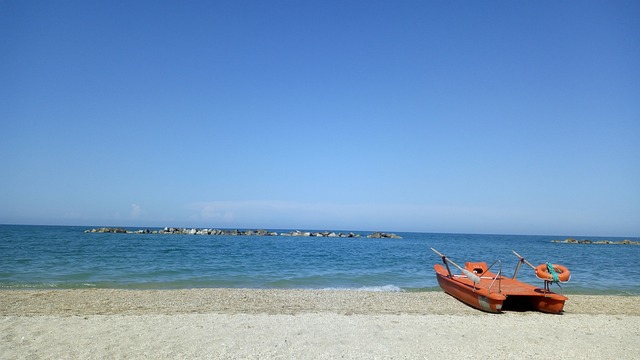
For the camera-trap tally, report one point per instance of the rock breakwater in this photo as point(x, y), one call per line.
point(382, 235)
point(587, 241)
point(236, 232)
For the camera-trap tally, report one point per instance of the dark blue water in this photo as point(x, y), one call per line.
point(66, 257)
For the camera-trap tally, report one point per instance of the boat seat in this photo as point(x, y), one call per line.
point(476, 267)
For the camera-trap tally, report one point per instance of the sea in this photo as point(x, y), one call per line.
point(65, 257)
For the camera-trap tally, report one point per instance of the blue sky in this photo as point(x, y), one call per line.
point(434, 116)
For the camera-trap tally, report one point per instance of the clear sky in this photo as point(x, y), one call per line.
point(434, 116)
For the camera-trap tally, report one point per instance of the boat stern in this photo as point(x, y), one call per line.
point(552, 303)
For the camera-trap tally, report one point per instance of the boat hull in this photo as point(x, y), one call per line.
point(492, 294)
point(463, 289)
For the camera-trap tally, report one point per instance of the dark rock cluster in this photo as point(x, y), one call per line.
point(320, 234)
point(587, 241)
point(382, 235)
point(107, 230)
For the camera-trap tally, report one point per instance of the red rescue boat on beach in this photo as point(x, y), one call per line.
point(482, 289)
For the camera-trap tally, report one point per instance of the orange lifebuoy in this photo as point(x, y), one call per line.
point(543, 273)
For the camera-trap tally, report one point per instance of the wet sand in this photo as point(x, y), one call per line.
point(240, 324)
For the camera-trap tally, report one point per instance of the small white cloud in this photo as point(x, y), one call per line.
point(135, 210)
point(217, 212)
point(72, 215)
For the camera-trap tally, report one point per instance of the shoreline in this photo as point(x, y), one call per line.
point(70, 302)
point(304, 324)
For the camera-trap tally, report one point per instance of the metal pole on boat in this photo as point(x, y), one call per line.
point(515, 273)
point(522, 260)
point(446, 263)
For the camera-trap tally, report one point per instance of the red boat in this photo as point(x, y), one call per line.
point(482, 289)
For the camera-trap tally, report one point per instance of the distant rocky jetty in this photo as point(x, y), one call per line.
point(260, 232)
point(382, 235)
point(587, 241)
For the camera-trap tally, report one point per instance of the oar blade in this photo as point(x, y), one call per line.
point(475, 278)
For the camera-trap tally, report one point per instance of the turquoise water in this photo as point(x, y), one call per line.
point(66, 257)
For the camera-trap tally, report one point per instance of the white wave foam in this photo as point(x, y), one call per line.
point(383, 288)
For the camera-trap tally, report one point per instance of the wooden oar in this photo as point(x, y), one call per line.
point(475, 278)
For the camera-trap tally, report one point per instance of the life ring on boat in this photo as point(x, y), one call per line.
point(542, 272)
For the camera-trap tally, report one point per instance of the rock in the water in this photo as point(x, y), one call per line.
point(383, 235)
point(587, 241)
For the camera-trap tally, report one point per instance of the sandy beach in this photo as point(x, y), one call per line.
point(241, 324)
